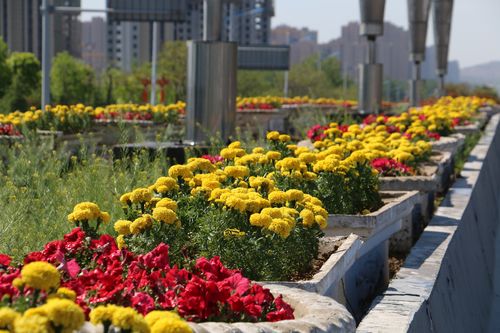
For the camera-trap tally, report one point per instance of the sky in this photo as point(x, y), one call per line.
point(475, 29)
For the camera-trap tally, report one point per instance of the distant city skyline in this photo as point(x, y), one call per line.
point(474, 31)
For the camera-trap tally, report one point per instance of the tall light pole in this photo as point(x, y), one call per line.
point(418, 16)
point(371, 73)
point(154, 57)
point(46, 54)
point(443, 10)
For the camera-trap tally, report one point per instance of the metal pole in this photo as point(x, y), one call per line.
point(441, 90)
point(212, 20)
point(154, 57)
point(46, 54)
point(285, 87)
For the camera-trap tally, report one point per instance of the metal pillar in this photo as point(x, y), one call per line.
point(212, 70)
point(371, 73)
point(154, 65)
point(418, 16)
point(285, 86)
point(46, 54)
point(443, 10)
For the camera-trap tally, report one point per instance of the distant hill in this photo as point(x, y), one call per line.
point(488, 73)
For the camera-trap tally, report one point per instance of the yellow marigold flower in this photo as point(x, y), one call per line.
point(273, 155)
point(64, 314)
point(40, 275)
point(236, 203)
point(64, 293)
point(235, 144)
point(127, 319)
point(92, 207)
point(171, 325)
point(125, 199)
point(234, 233)
point(141, 224)
point(164, 215)
point(288, 163)
point(18, 283)
point(284, 138)
point(277, 197)
point(167, 203)
point(120, 242)
point(35, 323)
point(141, 195)
point(292, 147)
point(321, 221)
point(180, 171)
point(165, 184)
point(295, 195)
point(307, 158)
point(261, 220)
point(237, 171)
point(261, 182)
point(152, 317)
point(105, 217)
point(280, 227)
point(273, 136)
point(307, 218)
point(122, 227)
point(200, 164)
point(258, 150)
point(7, 318)
point(310, 175)
point(102, 314)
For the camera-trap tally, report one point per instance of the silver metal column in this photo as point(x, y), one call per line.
point(371, 73)
point(418, 16)
point(154, 58)
point(443, 10)
point(46, 54)
point(212, 81)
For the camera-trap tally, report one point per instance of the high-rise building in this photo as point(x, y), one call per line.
point(303, 42)
point(21, 27)
point(94, 51)
point(246, 22)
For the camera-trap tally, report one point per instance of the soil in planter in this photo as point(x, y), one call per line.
point(396, 261)
point(327, 247)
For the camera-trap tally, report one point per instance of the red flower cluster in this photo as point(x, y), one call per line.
point(100, 273)
point(9, 130)
point(372, 118)
point(214, 159)
point(261, 106)
point(124, 116)
point(459, 122)
point(317, 133)
point(391, 168)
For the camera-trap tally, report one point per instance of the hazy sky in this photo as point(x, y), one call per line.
point(475, 29)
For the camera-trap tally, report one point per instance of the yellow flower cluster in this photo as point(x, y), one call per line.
point(88, 211)
point(128, 319)
point(40, 275)
point(60, 315)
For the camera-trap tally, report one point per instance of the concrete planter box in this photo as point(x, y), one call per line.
point(72, 142)
point(259, 122)
point(475, 127)
point(452, 144)
point(130, 131)
point(435, 178)
point(370, 273)
point(313, 313)
point(330, 278)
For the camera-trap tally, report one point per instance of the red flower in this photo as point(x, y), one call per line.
point(143, 303)
point(5, 260)
point(156, 259)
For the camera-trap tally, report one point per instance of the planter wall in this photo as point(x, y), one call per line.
point(450, 280)
point(452, 144)
point(259, 122)
point(370, 273)
point(436, 178)
point(330, 278)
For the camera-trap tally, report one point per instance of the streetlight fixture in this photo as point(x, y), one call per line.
point(418, 16)
point(370, 83)
point(443, 10)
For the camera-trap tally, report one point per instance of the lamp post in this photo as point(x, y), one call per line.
point(443, 10)
point(418, 16)
point(370, 83)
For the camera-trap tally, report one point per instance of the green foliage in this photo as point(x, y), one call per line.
point(25, 84)
point(5, 72)
point(172, 65)
point(72, 81)
point(39, 187)
point(259, 83)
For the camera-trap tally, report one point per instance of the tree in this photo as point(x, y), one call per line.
point(260, 83)
point(23, 91)
point(333, 71)
point(5, 72)
point(72, 81)
point(172, 65)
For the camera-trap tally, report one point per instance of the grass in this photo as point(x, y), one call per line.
point(470, 142)
point(39, 188)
